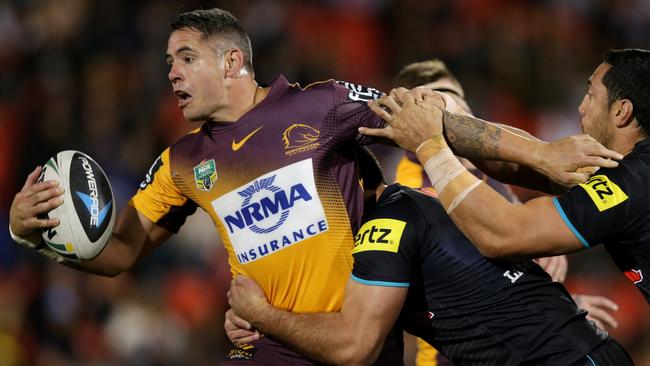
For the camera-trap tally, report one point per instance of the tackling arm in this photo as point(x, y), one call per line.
point(497, 227)
point(353, 336)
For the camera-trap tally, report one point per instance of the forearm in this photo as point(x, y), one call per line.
point(325, 337)
point(497, 227)
point(117, 257)
point(474, 138)
point(513, 173)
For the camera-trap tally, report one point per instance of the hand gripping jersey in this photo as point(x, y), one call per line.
point(281, 186)
point(476, 311)
point(613, 208)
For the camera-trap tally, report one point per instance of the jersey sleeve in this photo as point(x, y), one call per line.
point(595, 211)
point(159, 199)
point(384, 252)
point(353, 112)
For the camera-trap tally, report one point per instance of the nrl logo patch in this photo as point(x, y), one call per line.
point(205, 174)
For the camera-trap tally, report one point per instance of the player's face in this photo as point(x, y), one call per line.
point(594, 109)
point(196, 73)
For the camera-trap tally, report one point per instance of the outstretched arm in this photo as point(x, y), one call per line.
point(133, 235)
point(477, 139)
point(353, 336)
point(497, 227)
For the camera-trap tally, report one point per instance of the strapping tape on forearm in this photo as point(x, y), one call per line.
point(461, 196)
point(442, 168)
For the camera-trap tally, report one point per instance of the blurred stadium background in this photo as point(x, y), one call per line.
point(90, 75)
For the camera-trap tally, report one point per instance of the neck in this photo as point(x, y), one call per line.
point(625, 140)
point(241, 96)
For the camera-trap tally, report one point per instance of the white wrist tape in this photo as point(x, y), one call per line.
point(461, 196)
point(40, 247)
point(442, 168)
point(20, 240)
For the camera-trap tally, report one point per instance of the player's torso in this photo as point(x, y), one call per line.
point(280, 185)
point(630, 248)
point(470, 307)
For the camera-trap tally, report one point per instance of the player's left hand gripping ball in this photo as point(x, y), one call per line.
point(87, 215)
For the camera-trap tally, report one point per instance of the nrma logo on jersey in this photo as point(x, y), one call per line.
point(272, 212)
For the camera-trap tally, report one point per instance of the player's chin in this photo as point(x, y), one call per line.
point(192, 116)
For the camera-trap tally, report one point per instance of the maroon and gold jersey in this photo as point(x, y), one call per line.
point(281, 186)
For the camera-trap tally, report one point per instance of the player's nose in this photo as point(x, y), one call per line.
point(174, 74)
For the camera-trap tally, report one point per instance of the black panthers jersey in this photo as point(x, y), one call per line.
point(472, 309)
point(612, 208)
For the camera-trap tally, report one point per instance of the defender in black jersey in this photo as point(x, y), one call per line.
point(409, 255)
point(610, 208)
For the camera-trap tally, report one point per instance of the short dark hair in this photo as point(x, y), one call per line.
point(425, 72)
point(629, 78)
point(217, 23)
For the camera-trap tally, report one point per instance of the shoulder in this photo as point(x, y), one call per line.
point(410, 204)
point(189, 145)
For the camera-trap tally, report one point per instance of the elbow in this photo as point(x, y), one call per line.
point(501, 246)
point(358, 353)
point(355, 358)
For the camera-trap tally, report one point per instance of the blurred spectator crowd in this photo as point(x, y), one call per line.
point(90, 75)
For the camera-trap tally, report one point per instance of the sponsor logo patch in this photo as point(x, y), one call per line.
point(237, 145)
point(272, 212)
point(379, 234)
point(299, 138)
point(92, 198)
point(634, 275)
point(605, 193)
point(243, 352)
point(205, 174)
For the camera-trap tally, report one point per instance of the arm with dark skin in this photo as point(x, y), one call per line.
point(497, 227)
point(488, 144)
point(353, 336)
point(505, 153)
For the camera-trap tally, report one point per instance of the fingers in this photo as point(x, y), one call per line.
point(390, 103)
point(555, 266)
point(32, 178)
point(386, 132)
point(598, 308)
point(398, 94)
point(593, 161)
point(379, 111)
point(237, 321)
point(602, 316)
point(573, 178)
point(238, 339)
point(598, 323)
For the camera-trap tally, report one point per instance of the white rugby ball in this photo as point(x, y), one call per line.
point(87, 215)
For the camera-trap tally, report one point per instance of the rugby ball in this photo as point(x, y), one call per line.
point(87, 215)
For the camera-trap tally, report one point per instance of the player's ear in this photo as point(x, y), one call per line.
point(233, 63)
point(623, 112)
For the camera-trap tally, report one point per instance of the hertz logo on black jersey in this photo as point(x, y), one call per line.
point(379, 234)
point(605, 193)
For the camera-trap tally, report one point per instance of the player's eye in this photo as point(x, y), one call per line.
point(188, 60)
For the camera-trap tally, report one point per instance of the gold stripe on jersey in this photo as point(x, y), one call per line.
point(409, 173)
point(158, 197)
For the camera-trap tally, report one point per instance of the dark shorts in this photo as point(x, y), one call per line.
point(267, 351)
point(608, 353)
